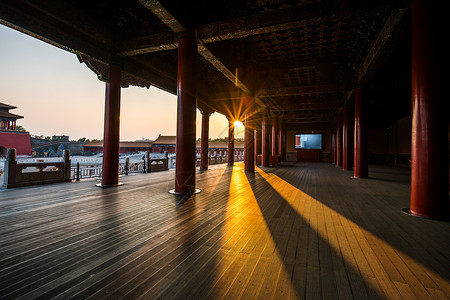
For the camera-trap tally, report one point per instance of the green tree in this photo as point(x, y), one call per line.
point(83, 140)
point(221, 140)
point(20, 128)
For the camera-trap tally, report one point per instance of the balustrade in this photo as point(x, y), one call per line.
point(18, 174)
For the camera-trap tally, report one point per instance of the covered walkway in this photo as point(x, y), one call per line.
point(301, 230)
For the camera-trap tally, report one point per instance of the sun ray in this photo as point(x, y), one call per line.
point(361, 238)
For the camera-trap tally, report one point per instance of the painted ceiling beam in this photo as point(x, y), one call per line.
point(299, 90)
point(167, 18)
point(42, 21)
point(258, 24)
point(383, 44)
point(164, 15)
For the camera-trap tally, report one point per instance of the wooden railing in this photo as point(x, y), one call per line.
point(213, 160)
point(77, 172)
point(144, 166)
point(25, 174)
point(34, 173)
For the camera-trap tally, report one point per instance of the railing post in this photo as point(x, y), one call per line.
point(78, 172)
point(166, 157)
point(10, 168)
point(67, 165)
point(147, 162)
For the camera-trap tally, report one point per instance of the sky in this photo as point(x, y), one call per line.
point(57, 95)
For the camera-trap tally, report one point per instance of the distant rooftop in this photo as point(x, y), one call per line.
point(166, 140)
point(222, 145)
point(5, 114)
point(6, 106)
point(125, 144)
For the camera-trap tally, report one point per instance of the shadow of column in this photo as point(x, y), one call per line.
point(316, 270)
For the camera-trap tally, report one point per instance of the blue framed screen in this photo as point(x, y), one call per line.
point(308, 141)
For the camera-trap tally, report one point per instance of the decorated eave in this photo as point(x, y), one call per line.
point(4, 115)
point(301, 60)
point(6, 107)
point(123, 144)
point(165, 140)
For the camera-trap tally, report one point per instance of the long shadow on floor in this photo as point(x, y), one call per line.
point(191, 274)
point(316, 269)
point(375, 205)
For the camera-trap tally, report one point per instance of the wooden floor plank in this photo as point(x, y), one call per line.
point(297, 231)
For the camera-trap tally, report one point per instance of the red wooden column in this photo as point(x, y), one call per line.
point(429, 143)
point(346, 139)
point(339, 140)
point(258, 142)
point(204, 140)
point(111, 131)
point(230, 143)
point(361, 152)
point(274, 136)
point(280, 138)
point(186, 94)
point(265, 140)
point(333, 143)
point(249, 143)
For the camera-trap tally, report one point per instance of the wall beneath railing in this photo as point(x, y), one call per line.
point(49, 170)
point(34, 173)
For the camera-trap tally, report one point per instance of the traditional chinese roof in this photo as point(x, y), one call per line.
point(299, 59)
point(124, 144)
point(4, 106)
point(166, 140)
point(5, 114)
point(222, 145)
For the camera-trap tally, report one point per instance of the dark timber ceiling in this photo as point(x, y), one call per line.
point(300, 59)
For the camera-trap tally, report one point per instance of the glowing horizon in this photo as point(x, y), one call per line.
point(59, 96)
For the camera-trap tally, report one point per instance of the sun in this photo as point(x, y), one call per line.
point(238, 124)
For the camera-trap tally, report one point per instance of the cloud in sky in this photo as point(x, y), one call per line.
point(58, 95)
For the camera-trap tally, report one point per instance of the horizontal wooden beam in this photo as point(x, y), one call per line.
point(299, 90)
point(156, 8)
point(292, 125)
point(306, 114)
point(164, 15)
point(148, 44)
point(213, 60)
point(77, 33)
point(307, 107)
point(257, 24)
point(385, 41)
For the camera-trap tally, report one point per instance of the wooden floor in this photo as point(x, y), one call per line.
point(302, 230)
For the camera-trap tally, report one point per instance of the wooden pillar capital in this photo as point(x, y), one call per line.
point(205, 110)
